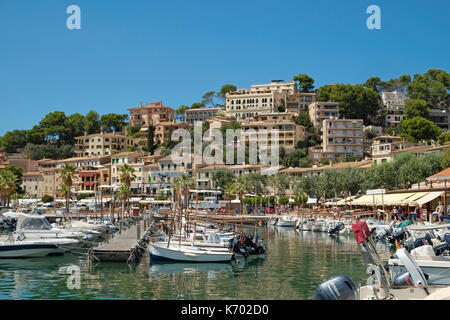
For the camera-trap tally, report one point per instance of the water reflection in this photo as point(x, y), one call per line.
point(296, 261)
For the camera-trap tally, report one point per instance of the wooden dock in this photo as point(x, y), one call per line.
point(122, 247)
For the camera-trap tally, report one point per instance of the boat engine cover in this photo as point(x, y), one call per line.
point(339, 287)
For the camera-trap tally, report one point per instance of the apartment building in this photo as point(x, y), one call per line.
point(134, 159)
point(320, 111)
point(383, 146)
point(200, 114)
point(341, 138)
point(265, 98)
point(102, 144)
point(289, 133)
point(150, 114)
point(164, 172)
point(394, 107)
point(32, 183)
point(300, 101)
point(441, 118)
point(163, 130)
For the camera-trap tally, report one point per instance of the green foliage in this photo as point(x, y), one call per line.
point(369, 134)
point(47, 198)
point(221, 177)
point(296, 158)
point(82, 196)
point(444, 137)
point(355, 101)
point(208, 99)
point(304, 120)
point(134, 131)
point(304, 82)
point(445, 161)
point(225, 89)
point(181, 109)
point(13, 140)
point(283, 200)
point(197, 105)
point(52, 151)
point(150, 139)
point(416, 108)
point(432, 87)
point(418, 129)
point(92, 122)
point(113, 122)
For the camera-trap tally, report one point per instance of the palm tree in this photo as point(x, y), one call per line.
point(186, 183)
point(8, 183)
point(126, 176)
point(241, 187)
point(123, 194)
point(64, 189)
point(68, 174)
point(229, 191)
point(176, 185)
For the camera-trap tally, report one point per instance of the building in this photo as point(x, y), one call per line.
point(164, 172)
point(341, 138)
point(383, 146)
point(266, 98)
point(394, 107)
point(130, 158)
point(163, 130)
point(102, 144)
point(320, 111)
point(441, 118)
point(32, 184)
point(378, 131)
point(300, 101)
point(200, 114)
point(150, 114)
point(289, 133)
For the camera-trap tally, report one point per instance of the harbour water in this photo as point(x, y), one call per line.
point(296, 262)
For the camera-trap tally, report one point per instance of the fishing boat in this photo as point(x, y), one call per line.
point(176, 252)
point(34, 248)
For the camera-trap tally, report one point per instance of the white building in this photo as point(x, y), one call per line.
point(260, 99)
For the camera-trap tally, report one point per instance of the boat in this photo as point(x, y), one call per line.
point(380, 285)
point(307, 224)
point(285, 221)
point(34, 248)
point(38, 227)
point(175, 252)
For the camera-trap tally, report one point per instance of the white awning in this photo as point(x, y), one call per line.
point(429, 197)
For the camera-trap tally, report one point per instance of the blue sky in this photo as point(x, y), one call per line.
point(175, 51)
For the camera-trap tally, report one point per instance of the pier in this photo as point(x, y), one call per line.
point(127, 246)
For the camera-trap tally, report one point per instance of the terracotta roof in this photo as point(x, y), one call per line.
point(444, 174)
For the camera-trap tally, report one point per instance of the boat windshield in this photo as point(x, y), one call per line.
point(35, 224)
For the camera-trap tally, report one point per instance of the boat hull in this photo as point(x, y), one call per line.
point(159, 252)
point(29, 250)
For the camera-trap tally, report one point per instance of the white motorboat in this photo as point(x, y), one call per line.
point(307, 224)
point(33, 248)
point(37, 227)
point(285, 221)
point(175, 252)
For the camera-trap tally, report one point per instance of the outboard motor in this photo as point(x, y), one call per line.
point(337, 228)
point(398, 234)
point(422, 241)
point(339, 287)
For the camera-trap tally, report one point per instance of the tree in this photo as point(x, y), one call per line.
point(92, 122)
point(150, 139)
point(47, 198)
point(208, 99)
point(221, 178)
point(75, 127)
point(113, 122)
point(369, 134)
point(416, 108)
point(432, 87)
point(226, 88)
point(197, 105)
point(376, 84)
point(181, 109)
point(418, 129)
point(444, 137)
point(304, 82)
point(8, 184)
point(54, 127)
point(13, 140)
point(355, 101)
point(134, 131)
point(126, 176)
point(40, 151)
